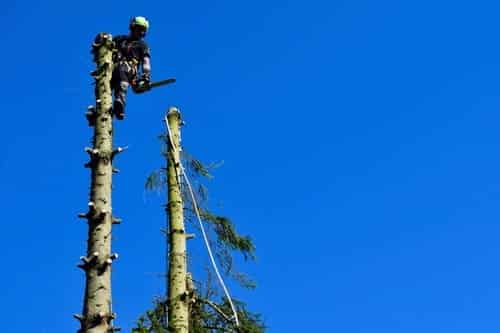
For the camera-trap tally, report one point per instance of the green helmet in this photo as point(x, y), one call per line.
point(139, 21)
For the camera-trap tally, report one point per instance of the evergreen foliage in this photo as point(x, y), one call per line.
point(205, 317)
point(153, 321)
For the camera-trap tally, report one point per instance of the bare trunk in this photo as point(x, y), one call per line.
point(177, 291)
point(97, 310)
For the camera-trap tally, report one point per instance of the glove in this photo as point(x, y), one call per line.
point(146, 77)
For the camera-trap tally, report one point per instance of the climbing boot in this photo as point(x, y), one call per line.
point(118, 110)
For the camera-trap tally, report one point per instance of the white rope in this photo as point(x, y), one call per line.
point(205, 237)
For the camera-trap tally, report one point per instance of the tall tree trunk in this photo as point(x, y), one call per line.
point(177, 263)
point(97, 310)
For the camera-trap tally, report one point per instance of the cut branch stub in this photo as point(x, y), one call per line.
point(92, 151)
point(88, 261)
point(98, 318)
point(79, 317)
point(94, 214)
point(117, 151)
point(107, 263)
point(91, 115)
point(94, 155)
point(83, 215)
point(111, 258)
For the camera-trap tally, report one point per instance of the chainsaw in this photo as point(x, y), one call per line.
point(141, 86)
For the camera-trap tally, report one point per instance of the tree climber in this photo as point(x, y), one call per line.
point(132, 53)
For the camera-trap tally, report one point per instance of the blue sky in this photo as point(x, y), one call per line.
point(361, 149)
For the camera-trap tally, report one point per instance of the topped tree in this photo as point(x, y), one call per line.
point(97, 314)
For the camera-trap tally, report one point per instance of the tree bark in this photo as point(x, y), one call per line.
point(97, 310)
point(177, 266)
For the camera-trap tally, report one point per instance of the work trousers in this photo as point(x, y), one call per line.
point(123, 74)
